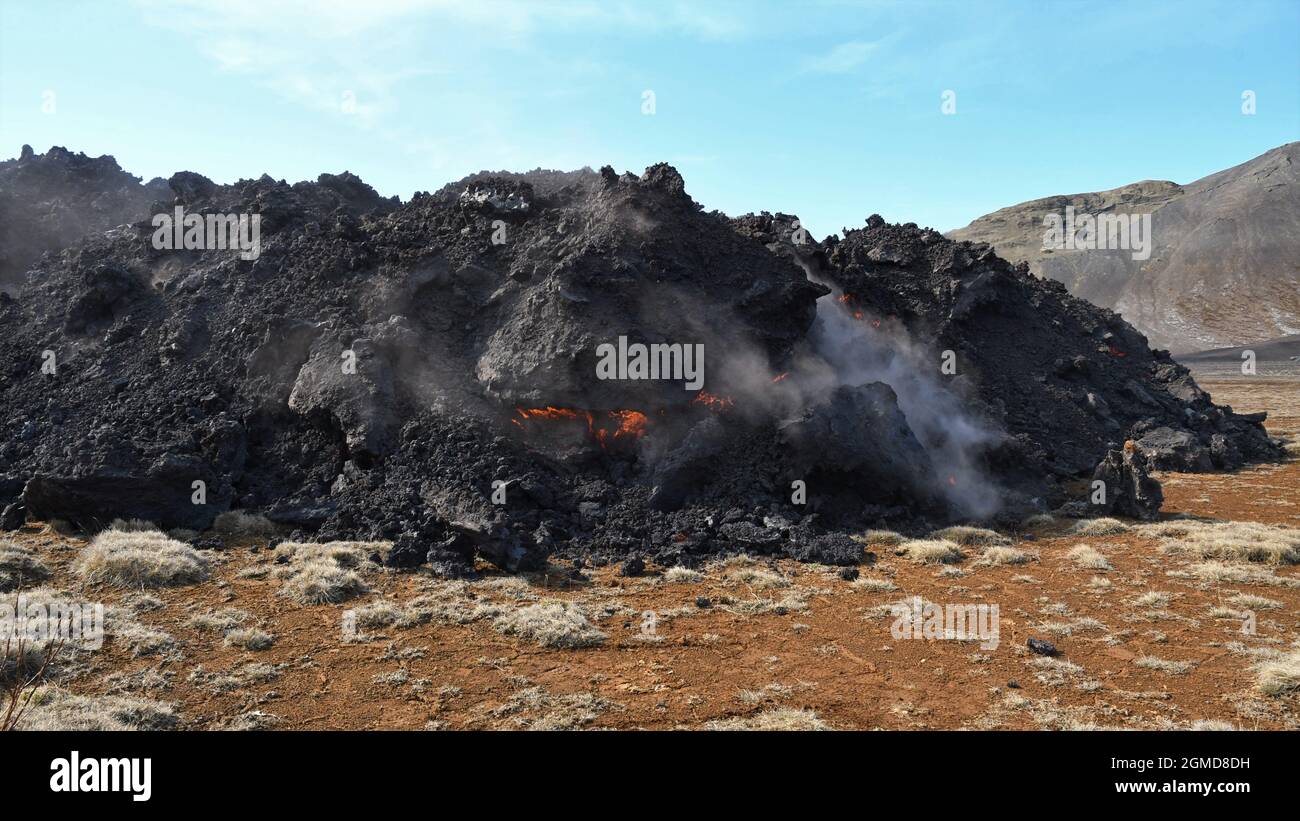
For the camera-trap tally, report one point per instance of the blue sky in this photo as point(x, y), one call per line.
point(831, 110)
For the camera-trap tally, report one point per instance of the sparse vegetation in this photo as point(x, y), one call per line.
point(132, 526)
point(1098, 527)
point(19, 567)
point(682, 575)
point(1002, 555)
point(512, 587)
point(535, 708)
point(871, 585)
point(218, 621)
point(1173, 668)
point(56, 709)
point(380, 613)
point(320, 582)
point(880, 538)
point(1230, 541)
point(1156, 599)
point(931, 551)
point(250, 638)
point(756, 578)
point(779, 718)
point(140, 559)
point(1055, 671)
point(550, 624)
point(138, 681)
point(792, 601)
point(1087, 557)
point(1227, 572)
point(140, 639)
point(1252, 602)
point(1279, 676)
point(327, 572)
point(970, 536)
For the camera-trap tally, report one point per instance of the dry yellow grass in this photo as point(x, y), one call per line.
point(1173, 668)
point(883, 538)
point(550, 624)
point(55, 709)
point(870, 585)
point(1003, 555)
point(931, 551)
point(1229, 541)
point(970, 536)
point(777, 719)
point(326, 572)
point(139, 559)
point(132, 525)
point(1279, 676)
point(682, 575)
point(19, 567)
point(218, 621)
point(1098, 527)
point(1086, 557)
point(250, 638)
point(757, 578)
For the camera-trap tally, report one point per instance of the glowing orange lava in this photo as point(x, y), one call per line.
point(630, 423)
point(603, 426)
point(714, 403)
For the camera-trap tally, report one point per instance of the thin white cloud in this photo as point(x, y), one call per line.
point(356, 60)
point(347, 56)
point(843, 58)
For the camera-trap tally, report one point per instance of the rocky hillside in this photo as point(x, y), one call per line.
point(1224, 269)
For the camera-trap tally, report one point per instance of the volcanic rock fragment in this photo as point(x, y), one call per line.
point(1041, 647)
point(1129, 489)
point(857, 443)
point(1165, 448)
point(634, 566)
point(13, 516)
point(164, 495)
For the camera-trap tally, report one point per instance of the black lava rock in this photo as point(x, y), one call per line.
point(1042, 648)
point(13, 516)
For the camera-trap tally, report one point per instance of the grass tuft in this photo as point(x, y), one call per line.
point(931, 551)
point(140, 559)
point(1087, 557)
point(550, 624)
point(19, 567)
point(1098, 527)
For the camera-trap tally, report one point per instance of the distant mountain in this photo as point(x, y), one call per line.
point(1223, 269)
point(1285, 349)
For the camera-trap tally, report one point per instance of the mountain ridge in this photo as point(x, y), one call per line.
point(1223, 268)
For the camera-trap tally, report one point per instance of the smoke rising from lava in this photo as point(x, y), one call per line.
point(859, 347)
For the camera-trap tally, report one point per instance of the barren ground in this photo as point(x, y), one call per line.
point(780, 644)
